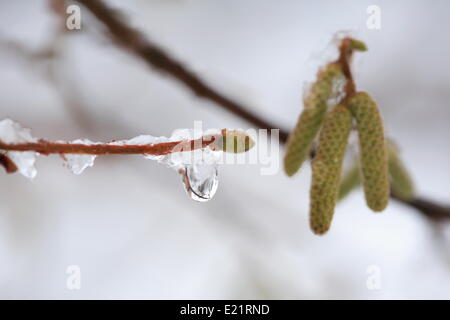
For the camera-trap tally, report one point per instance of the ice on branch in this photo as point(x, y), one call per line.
point(195, 154)
point(12, 132)
point(78, 162)
point(198, 168)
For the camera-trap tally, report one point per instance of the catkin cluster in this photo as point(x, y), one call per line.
point(329, 126)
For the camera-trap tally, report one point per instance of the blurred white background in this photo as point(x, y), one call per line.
point(127, 222)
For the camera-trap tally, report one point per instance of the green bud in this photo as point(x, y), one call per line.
point(235, 141)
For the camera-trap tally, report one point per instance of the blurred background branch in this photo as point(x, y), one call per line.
point(158, 58)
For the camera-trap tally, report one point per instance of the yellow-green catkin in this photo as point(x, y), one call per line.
point(315, 106)
point(326, 167)
point(372, 148)
point(350, 180)
point(401, 182)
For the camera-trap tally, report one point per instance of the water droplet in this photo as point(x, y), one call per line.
point(200, 181)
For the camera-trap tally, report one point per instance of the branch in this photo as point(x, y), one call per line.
point(46, 147)
point(156, 57)
point(429, 208)
point(7, 163)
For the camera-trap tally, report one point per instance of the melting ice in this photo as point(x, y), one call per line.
point(78, 162)
point(198, 168)
point(12, 132)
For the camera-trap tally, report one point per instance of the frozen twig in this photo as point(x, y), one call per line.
point(157, 149)
point(194, 154)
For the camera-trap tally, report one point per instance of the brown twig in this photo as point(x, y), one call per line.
point(156, 57)
point(430, 208)
point(46, 147)
point(345, 56)
point(7, 163)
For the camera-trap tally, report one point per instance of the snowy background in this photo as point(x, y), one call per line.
point(128, 224)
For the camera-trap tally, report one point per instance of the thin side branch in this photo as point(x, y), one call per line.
point(156, 57)
point(7, 163)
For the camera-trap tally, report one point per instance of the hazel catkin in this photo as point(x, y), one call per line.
point(372, 149)
point(315, 106)
point(326, 167)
